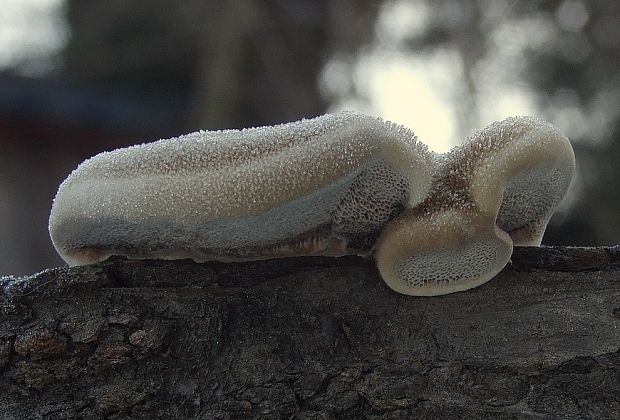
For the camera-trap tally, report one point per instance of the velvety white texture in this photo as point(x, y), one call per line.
point(254, 190)
point(331, 186)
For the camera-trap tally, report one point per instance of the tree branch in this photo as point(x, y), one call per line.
point(311, 338)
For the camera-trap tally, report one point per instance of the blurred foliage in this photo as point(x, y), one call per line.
point(585, 66)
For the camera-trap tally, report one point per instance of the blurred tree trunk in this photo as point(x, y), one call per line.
point(236, 64)
point(311, 338)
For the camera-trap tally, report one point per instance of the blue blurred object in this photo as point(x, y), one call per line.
point(60, 102)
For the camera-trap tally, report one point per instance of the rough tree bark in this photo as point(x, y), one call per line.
point(311, 338)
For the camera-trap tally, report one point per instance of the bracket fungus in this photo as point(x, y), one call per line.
point(497, 190)
point(339, 184)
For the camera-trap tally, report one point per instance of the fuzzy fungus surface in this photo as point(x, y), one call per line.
point(339, 184)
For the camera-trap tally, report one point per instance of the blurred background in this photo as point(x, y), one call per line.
point(81, 77)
